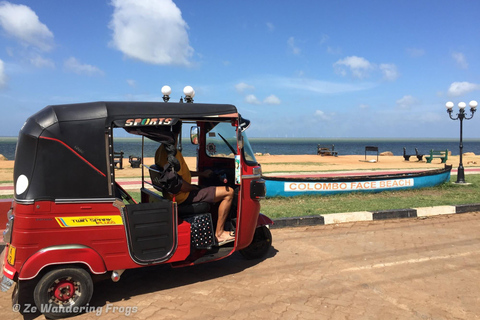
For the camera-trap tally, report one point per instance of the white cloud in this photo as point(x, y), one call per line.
point(361, 68)
point(460, 88)
point(73, 65)
point(251, 99)
point(291, 44)
point(131, 83)
point(389, 71)
point(242, 87)
point(406, 102)
point(151, 31)
point(319, 86)
point(3, 76)
point(334, 51)
point(319, 114)
point(272, 99)
point(41, 62)
point(22, 23)
point(415, 52)
point(358, 66)
point(270, 26)
point(460, 59)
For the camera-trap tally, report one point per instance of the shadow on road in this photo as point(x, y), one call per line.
point(157, 278)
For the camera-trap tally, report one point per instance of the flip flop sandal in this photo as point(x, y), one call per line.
point(226, 241)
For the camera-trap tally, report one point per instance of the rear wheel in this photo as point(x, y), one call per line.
point(62, 292)
point(261, 243)
point(22, 299)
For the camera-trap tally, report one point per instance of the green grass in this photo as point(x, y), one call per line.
point(446, 194)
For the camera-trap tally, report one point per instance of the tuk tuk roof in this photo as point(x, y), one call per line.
point(121, 110)
point(63, 153)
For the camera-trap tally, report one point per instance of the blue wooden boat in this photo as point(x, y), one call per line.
point(289, 187)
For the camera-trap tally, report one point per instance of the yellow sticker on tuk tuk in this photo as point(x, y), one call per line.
point(11, 255)
point(90, 221)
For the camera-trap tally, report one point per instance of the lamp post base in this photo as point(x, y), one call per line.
point(461, 183)
point(460, 174)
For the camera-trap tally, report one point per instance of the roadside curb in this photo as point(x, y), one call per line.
point(335, 218)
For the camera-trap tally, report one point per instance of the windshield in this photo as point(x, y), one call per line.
point(222, 142)
point(247, 150)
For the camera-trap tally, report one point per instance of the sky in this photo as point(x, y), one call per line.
point(326, 69)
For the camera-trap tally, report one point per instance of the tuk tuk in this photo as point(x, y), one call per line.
point(70, 220)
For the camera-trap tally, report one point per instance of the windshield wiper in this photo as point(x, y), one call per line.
point(228, 144)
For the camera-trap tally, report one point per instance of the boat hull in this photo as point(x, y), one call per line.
point(290, 187)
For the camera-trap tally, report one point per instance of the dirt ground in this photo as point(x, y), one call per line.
point(387, 269)
point(300, 163)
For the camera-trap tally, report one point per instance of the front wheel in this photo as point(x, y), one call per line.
point(63, 292)
point(261, 243)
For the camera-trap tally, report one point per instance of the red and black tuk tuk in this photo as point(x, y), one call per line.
point(71, 221)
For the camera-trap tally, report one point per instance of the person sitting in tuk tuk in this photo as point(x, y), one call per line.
point(190, 193)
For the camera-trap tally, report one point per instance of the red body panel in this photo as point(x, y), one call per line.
point(62, 255)
point(5, 205)
point(49, 233)
point(263, 220)
point(8, 270)
point(250, 209)
point(104, 248)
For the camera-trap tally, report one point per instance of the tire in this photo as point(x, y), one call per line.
point(63, 292)
point(22, 298)
point(261, 243)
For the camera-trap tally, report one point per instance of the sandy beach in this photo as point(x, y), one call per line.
point(300, 163)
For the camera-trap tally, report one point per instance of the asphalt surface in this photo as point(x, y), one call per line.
point(418, 268)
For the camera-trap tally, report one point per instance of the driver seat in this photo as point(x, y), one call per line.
point(191, 209)
point(156, 175)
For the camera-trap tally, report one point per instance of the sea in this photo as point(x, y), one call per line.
point(291, 146)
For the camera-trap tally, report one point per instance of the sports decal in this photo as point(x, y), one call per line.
point(148, 122)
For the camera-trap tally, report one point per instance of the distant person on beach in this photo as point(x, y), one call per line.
point(190, 193)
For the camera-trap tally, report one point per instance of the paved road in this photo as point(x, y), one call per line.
point(424, 268)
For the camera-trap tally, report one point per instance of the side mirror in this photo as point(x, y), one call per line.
point(194, 132)
point(243, 124)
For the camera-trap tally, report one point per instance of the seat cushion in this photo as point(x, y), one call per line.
point(193, 208)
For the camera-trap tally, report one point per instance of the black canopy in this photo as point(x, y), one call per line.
point(64, 151)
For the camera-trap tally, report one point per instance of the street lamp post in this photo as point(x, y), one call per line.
point(460, 116)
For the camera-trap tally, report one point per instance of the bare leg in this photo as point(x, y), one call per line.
point(224, 195)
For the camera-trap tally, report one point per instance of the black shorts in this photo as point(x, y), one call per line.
point(201, 195)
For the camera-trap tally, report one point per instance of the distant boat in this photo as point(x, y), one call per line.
point(295, 186)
